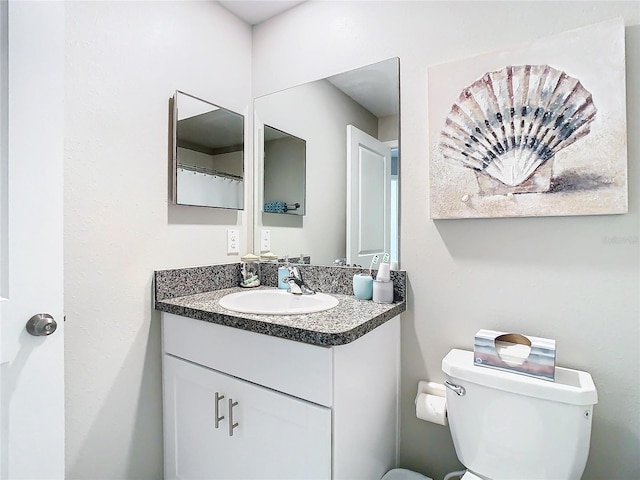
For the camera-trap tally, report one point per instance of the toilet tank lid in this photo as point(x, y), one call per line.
point(570, 386)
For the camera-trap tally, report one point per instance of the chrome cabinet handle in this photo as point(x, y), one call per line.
point(458, 389)
point(231, 424)
point(217, 408)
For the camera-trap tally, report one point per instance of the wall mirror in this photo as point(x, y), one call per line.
point(350, 125)
point(208, 154)
point(284, 160)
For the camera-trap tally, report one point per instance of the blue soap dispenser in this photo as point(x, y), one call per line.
point(283, 272)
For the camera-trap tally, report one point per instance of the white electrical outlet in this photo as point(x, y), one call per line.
point(233, 241)
point(265, 240)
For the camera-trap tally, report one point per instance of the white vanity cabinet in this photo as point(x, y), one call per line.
point(243, 405)
point(226, 428)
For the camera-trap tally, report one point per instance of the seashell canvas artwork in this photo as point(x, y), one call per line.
point(531, 139)
point(508, 124)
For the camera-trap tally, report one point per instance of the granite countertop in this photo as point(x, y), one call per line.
point(343, 324)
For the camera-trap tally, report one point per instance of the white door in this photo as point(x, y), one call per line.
point(31, 157)
point(221, 427)
point(368, 197)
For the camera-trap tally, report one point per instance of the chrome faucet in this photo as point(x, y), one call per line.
point(296, 284)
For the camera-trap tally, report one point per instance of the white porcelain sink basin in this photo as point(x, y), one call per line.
point(277, 302)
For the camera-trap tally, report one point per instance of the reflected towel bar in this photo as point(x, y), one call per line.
point(209, 171)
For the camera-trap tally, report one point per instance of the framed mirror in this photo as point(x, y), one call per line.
point(208, 154)
point(284, 162)
point(350, 124)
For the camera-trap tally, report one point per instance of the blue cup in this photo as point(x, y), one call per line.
point(363, 286)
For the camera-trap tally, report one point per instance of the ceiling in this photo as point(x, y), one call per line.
point(256, 11)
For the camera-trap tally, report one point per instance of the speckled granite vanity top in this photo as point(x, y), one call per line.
point(195, 293)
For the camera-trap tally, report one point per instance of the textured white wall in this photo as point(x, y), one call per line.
point(124, 60)
point(558, 277)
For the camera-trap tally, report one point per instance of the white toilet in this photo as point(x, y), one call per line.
point(507, 426)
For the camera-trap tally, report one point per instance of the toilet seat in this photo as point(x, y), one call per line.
point(470, 476)
point(403, 474)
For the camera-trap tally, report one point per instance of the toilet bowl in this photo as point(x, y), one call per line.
point(503, 423)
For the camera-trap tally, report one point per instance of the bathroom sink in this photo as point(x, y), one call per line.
point(277, 302)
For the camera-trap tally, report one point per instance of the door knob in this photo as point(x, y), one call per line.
point(41, 324)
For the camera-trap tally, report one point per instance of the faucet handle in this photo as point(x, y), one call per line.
point(295, 285)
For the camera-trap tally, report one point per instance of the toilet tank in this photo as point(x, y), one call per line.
point(507, 426)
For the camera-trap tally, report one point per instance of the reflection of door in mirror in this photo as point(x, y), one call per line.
point(208, 154)
point(319, 111)
point(284, 172)
point(368, 197)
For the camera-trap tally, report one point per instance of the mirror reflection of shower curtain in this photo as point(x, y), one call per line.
point(196, 188)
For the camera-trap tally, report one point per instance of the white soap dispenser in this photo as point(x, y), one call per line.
point(382, 285)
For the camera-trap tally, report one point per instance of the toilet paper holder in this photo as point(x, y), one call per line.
point(431, 388)
point(431, 402)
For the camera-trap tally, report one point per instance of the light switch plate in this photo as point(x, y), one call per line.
point(233, 241)
point(265, 240)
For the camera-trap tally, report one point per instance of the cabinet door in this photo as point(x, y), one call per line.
point(276, 437)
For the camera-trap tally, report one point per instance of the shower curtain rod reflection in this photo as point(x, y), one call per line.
point(209, 171)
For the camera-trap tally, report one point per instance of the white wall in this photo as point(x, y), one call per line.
point(318, 113)
point(557, 277)
point(124, 60)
